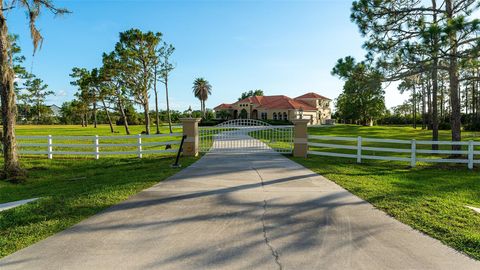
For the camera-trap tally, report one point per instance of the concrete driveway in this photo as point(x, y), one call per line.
point(241, 211)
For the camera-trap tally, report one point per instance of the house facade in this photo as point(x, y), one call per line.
point(310, 106)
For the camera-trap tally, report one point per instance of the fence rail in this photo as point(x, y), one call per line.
point(410, 149)
point(137, 147)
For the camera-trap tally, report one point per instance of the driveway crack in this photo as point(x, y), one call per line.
point(274, 252)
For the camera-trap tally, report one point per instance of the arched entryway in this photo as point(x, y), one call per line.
point(235, 114)
point(254, 114)
point(243, 114)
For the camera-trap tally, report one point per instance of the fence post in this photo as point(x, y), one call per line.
point(97, 148)
point(413, 154)
point(50, 148)
point(190, 129)
point(139, 143)
point(300, 139)
point(470, 154)
point(359, 149)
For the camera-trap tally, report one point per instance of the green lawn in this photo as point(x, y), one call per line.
point(72, 189)
point(76, 130)
point(431, 197)
point(70, 144)
point(387, 132)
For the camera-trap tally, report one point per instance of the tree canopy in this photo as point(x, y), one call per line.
point(362, 100)
point(201, 90)
point(410, 37)
point(251, 93)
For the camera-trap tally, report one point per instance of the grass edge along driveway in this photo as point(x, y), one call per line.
point(72, 190)
point(430, 199)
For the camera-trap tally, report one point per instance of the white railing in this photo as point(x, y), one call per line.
point(243, 123)
point(410, 150)
point(98, 145)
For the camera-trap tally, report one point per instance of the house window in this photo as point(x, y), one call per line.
point(274, 116)
point(285, 116)
point(264, 116)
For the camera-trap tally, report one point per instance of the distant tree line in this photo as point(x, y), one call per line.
point(111, 93)
point(419, 103)
point(30, 91)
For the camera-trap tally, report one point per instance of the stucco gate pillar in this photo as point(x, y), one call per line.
point(190, 128)
point(300, 137)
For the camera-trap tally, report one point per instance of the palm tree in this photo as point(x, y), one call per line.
point(201, 90)
point(33, 8)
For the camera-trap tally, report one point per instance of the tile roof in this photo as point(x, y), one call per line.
point(277, 102)
point(312, 95)
point(223, 106)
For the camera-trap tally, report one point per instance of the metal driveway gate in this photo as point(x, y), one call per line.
point(246, 135)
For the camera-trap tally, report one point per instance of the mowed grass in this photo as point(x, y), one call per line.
point(430, 198)
point(72, 189)
point(76, 130)
point(388, 132)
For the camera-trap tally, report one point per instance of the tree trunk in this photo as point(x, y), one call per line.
point(429, 105)
point(455, 102)
point(108, 115)
point(95, 113)
point(477, 90)
point(455, 117)
point(414, 107)
point(474, 104)
point(38, 113)
point(466, 99)
point(424, 117)
point(442, 100)
point(168, 106)
point(435, 84)
point(157, 115)
point(124, 115)
point(12, 170)
point(147, 118)
point(434, 103)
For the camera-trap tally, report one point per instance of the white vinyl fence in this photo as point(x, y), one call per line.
point(99, 145)
point(412, 151)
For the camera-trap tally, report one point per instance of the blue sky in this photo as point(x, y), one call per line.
point(281, 47)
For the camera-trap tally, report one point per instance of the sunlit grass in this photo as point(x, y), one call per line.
point(430, 198)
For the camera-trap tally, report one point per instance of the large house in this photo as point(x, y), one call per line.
point(309, 106)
